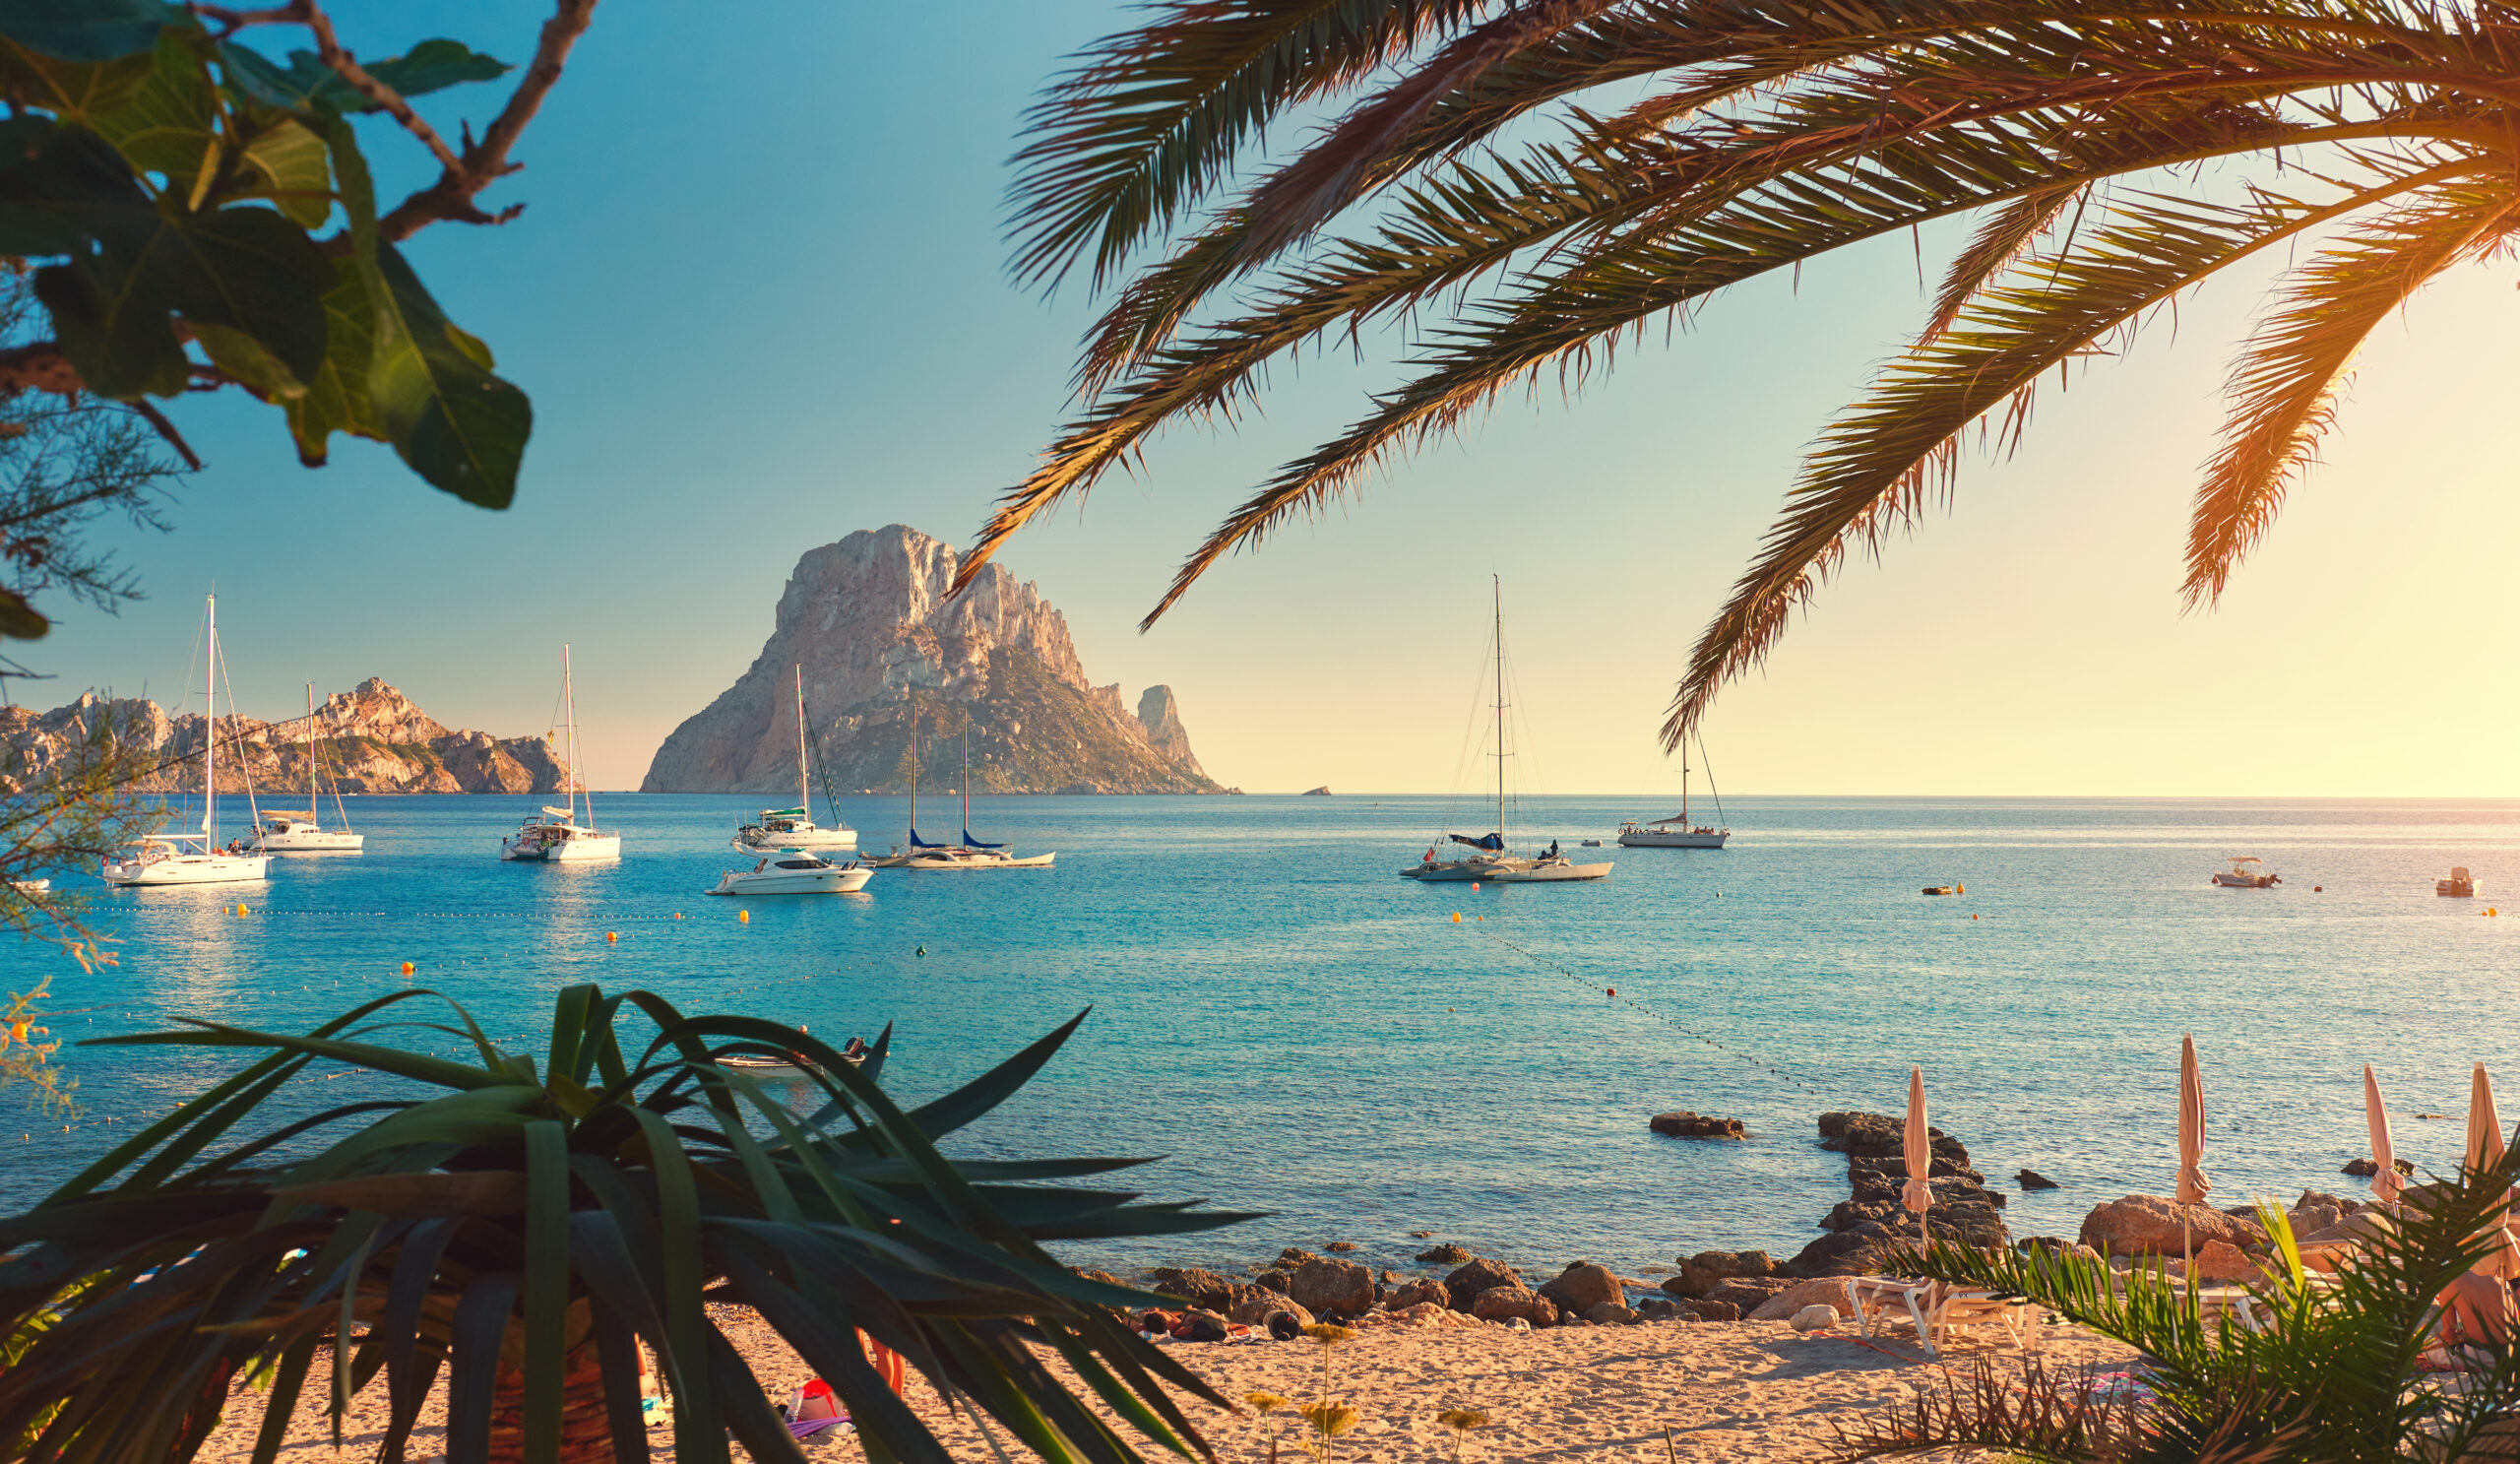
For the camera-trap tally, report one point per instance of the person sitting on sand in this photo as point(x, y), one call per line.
point(2477, 1316)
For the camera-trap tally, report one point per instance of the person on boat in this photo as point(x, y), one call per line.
point(856, 1050)
point(1553, 849)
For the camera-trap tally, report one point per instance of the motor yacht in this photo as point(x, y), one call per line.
point(2248, 873)
point(794, 871)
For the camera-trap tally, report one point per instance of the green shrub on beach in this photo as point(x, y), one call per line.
point(2350, 1366)
point(524, 1227)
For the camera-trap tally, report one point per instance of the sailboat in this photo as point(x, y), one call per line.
point(795, 828)
point(971, 853)
point(1675, 832)
point(302, 833)
point(1488, 863)
point(557, 837)
point(196, 858)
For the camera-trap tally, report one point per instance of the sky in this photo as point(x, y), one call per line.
point(758, 297)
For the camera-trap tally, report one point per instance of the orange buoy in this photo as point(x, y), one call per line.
point(1456, 917)
point(744, 916)
point(611, 937)
point(407, 968)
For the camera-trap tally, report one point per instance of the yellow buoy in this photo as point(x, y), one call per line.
point(1456, 917)
point(744, 916)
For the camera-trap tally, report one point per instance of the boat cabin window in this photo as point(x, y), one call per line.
point(800, 863)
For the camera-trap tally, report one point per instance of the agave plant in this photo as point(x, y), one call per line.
point(1515, 187)
point(2337, 1372)
point(524, 1230)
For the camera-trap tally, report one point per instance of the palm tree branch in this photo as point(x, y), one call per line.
point(2286, 384)
point(1871, 468)
point(2001, 239)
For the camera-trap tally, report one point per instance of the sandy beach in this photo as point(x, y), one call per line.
point(1726, 1390)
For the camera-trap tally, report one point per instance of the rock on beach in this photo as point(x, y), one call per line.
point(2147, 1223)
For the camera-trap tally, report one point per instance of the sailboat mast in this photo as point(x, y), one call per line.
point(802, 802)
point(1684, 783)
point(1498, 583)
point(966, 775)
point(210, 740)
point(310, 754)
point(913, 768)
point(569, 699)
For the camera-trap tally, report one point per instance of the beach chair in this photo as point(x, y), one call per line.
point(1937, 1311)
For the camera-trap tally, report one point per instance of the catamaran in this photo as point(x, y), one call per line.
point(302, 833)
point(1490, 862)
point(1675, 832)
point(557, 837)
point(971, 853)
point(196, 858)
point(795, 828)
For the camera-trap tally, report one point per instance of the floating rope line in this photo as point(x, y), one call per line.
point(1741, 1054)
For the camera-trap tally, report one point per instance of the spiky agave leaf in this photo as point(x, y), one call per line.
point(591, 1205)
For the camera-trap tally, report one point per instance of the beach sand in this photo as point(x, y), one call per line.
point(1726, 1390)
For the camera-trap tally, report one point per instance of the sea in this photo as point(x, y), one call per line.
point(1282, 1025)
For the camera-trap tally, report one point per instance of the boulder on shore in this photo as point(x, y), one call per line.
point(1446, 1254)
point(1199, 1288)
point(1702, 1272)
point(1334, 1288)
point(1749, 1293)
point(1503, 1303)
point(1684, 1124)
point(1257, 1306)
point(2149, 1224)
point(1478, 1275)
point(1584, 1285)
point(1819, 1291)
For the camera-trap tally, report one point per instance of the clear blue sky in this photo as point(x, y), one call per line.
point(757, 297)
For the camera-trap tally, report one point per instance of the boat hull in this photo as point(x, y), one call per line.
point(1648, 838)
point(310, 840)
point(836, 881)
point(960, 860)
point(585, 849)
point(2455, 889)
point(2249, 881)
point(1504, 872)
point(188, 869)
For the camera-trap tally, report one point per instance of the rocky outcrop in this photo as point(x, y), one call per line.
point(1581, 1287)
point(1873, 1220)
point(2148, 1225)
point(1322, 791)
point(1334, 1288)
point(1684, 1124)
point(371, 737)
point(888, 651)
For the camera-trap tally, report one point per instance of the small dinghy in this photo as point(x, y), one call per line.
point(2248, 873)
point(1946, 889)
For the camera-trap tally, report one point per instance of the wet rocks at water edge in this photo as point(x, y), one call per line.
point(1872, 1220)
point(1336, 1289)
point(1475, 1276)
point(1702, 1272)
point(2364, 1169)
point(1684, 1124)
point(1199, 1288)
point(1446, 1254)
point(1582, 1286)
point(2032, 1179)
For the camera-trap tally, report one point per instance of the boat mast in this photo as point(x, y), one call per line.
point(966, 775)
point(569, 699)
point(913, 767)
point(1498, 584)
point(210, 740)
point(1684, 784)
point(802, 802)
point(311, 794)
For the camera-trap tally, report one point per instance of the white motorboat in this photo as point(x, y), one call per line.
point(2461, 885)
point(794, 871)
point(795, 828)
point(1490, 862)
point(2248, 873)
point(557, 837)
point(31, 886)
point(304, 833)
point(971, 853)
point(196, 858)
point(1675, 832)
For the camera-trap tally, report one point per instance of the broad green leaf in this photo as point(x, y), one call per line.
point(455, 425)
point(286, 164)
point(305, 81)
point(87, 29)
point(242, 356)
point(335, 400)
point(135, 264)
point(170, 124)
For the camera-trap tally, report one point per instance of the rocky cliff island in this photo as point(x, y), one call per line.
point(869, 620)
point(371, 737)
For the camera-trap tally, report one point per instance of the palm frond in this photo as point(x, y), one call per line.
point(2284, 387)
point(1873, 468)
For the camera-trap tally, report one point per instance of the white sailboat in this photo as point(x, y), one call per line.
point(971, 853)
point(196, 858)
point(1675, 832)
point(795, 828)
point(304, 833)
point(557, 837)
point(1490, 862)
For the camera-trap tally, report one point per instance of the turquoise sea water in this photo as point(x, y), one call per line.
point(1301, 1031)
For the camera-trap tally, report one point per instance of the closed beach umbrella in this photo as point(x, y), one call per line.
point(2193, 1187)
point(2484, 1150)
point(1916, 1148)
point(2385, 1183)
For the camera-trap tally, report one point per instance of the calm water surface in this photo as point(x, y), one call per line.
point(1303, 1033)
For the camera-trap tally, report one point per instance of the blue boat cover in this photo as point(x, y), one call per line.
point(971, 842)
point(1483, 841)
point(916, 841)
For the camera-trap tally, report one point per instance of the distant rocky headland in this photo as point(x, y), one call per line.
point(371, 737)
point(880, 641)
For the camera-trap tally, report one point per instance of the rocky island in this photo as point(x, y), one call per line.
point(371, 737)
point(881, 644)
